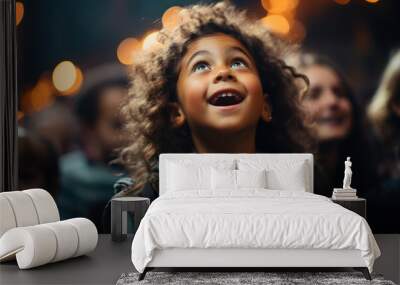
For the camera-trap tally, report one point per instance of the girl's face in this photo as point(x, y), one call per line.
point(218, 85)
point(326, 104)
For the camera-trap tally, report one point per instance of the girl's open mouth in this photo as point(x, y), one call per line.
point(221, 99)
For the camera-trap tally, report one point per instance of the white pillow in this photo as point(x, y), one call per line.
point(189, 174)
point(281, 174)
point(251, 178)
point(183, 178)
point(223, 179)
point(237, 179)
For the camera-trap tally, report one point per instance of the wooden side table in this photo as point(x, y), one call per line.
point(120, 207)
point(358, 205)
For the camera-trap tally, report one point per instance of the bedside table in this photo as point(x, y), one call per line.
point(120, 207)
point(358, 205)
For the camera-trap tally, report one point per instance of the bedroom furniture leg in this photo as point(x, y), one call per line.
point(364, 271)
point(143, 274)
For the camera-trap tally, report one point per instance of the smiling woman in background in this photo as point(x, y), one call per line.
point(337, 125)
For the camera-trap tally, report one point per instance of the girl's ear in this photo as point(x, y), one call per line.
point(266, 112)
point(177, 117)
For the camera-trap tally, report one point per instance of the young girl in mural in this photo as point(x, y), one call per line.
point(216, 83)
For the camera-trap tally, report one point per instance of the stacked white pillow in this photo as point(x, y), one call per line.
point(231, 175)
point(184, 174)
point(31, 231)
point(288, 175)
point(237, 179)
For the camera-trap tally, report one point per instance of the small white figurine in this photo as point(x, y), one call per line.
point(347, 174)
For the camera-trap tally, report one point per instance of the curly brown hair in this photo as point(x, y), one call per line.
point(154, 79)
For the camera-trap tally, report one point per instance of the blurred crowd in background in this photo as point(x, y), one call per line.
point(74, 76)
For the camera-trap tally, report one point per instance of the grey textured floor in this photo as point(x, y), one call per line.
point(230, 278)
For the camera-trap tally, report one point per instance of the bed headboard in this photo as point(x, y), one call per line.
point(286, 157)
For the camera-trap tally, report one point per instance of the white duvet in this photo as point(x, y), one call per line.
point(252, 218)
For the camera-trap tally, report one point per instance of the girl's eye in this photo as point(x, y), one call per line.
point(314, 93)
point(200, 66)
point(339, 92)
point(238, 63)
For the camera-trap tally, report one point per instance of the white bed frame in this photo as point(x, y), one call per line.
point(250, 257)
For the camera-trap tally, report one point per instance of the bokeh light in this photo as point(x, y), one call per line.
point(150, 41)
point(77, 84)
point(276, 24)
point(127, 50)
point(39, 97)
point(170, 18)
point(64, 76)
point(372, 1)
point(279, 6)
point(342, 2)
point(19, 12)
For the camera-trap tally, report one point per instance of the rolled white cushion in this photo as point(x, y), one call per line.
point(87, 235)
point(45, 205)
point(67, 240)
point(7, 218)
point(26, 208)
point(40, 244)
point(33, 246)
point(23, 208)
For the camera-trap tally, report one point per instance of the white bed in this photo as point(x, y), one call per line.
point(281, 224)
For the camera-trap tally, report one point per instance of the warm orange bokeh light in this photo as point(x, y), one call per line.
point(77, 84)
point(170, 18)
point(150, 41)
point(64, 76)
point(127, 50)
point(19, 12)
point(342, 2)
point(279, 6)
point(39, 97)
point(276, 24)
point(20, 115)
point(372, 1)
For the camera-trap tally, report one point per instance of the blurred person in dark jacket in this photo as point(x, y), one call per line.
point(87, 176)
point(57, 124)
